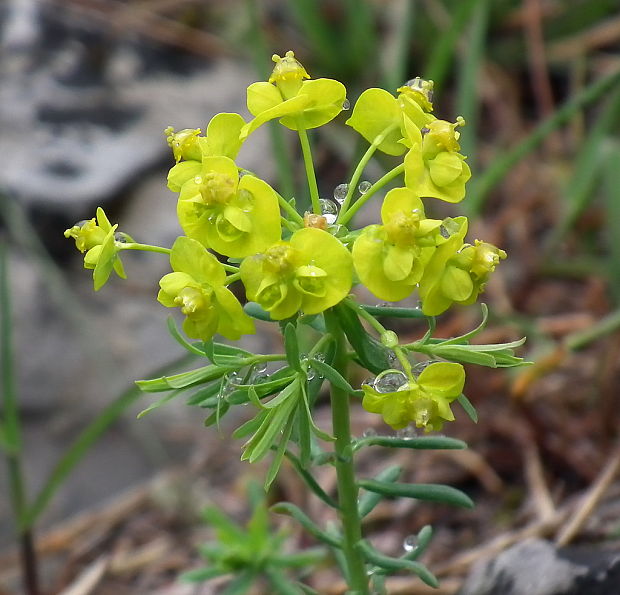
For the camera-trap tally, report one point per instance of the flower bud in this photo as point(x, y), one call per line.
point(288, 74)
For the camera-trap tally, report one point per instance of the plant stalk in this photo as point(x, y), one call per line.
point(12, 431)
point(347, 486)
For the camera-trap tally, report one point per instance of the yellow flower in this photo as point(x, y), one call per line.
point(197, 287)
point(311, 272)
point(233, 217)
point(98, 239)
point(298, 103)
point(424, 400)
point(390, 259)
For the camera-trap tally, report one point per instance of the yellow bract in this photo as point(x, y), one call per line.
point(309, 273)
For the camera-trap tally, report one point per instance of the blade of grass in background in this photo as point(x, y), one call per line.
point(467, 100)
point(395, 67)
point(588, 165)
point(262, 61)
point(361, 35)
point(89, 436)
point(11, 424)
point(324, 46)
point(501, 165)
point(441, 59)
point(611, 181)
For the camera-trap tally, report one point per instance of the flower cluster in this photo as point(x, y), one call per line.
point(237, 227)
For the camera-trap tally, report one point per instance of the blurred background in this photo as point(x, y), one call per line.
point(87, 87)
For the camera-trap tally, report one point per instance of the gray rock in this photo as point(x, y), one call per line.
point(536, 567)
point(82, 112)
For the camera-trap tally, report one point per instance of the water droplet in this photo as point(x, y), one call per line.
point(320, 357)
point(369, 381)
point(260, 378)
point(121, 238)
point(260, 368)
point(392, 357)
point(443, 230)
point(384, 304)
point(406, 433)
point(340, 192)
point(410, 543)
point(364, 187)
point(234, 379)
point(419, 368)
point(369, 433)
point(390, 381)
point(81, 223)
point(198, 180)
point(310, 373)
point(346, 105)
point(329, 210)
point(425, 130)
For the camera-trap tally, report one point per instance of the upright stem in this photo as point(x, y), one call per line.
point(346, 216)
point(309, 165)
point(347, 486)
point(12, 432)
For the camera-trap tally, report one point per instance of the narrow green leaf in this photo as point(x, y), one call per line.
point(260, 444)
point(393, 311)
point(256, 311)
point(157, 404)
point(371, 354)
point(334, 377)
point(250, 426)
point(184, 379)
point(431, 492)
point(216, 416)
point(284, 395)
point(200, 575)
point(368, 500)
point(310, 481)
point(291, 346)
point(276, 462)
point(282, 585)
point(228, 532)
point(315, 429)
point(253, 396)
point(417, 443)
point(241, 583)
point(206, 396)
point(180, 339)
point(396, 564)
point(304, 437)
point(465, 403)
point(465, 338)
point(292, 510)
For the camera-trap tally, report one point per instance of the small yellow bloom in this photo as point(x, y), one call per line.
point(97, 237)
point(311, 272)
point(197, 287)
point(424, 400)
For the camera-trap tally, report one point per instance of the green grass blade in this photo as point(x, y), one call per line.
point(467, 101)
point(78, 449)
point(444, 49)
point(501, 165)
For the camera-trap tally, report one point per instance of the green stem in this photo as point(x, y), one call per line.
point(143, 247)
point(309, 165)
point(357, 174)
point(347, 486)
point(12, 431)
point(290, 210)
point(232, 278)
point(382, 181)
